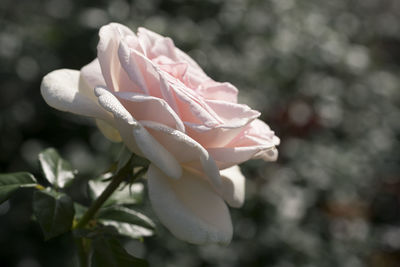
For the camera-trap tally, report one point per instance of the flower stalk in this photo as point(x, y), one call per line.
point(116, 180)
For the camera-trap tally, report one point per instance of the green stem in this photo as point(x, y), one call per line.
point(114, 184)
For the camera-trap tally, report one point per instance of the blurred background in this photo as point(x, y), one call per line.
point(324, 74)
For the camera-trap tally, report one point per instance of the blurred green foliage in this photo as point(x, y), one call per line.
point(325, 75)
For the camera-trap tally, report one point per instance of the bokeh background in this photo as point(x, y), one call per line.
point(325, 75)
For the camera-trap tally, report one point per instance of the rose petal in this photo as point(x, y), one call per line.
point(175, 69)
point(217, 136)
point(64, 90)
point(189, 207)
point(186, 103)
point(233, 184)
point(228, 156)
point(107, 52)
point(219, 91)
point(132, 67)
point(186, 150)
point(233, 115)
point(191, 106)
point(255, 141)
point(255, 133)
point(147, 40)
point(267, 155)
point(145, 75)
point(182, 56)
point(136, 137)
point(164, 46)
point(91, 73)
point(150, 108)
point(234, 118)
point(194, 76)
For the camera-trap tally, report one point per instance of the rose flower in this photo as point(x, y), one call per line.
point(147, 93)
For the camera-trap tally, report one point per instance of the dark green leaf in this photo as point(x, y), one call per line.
point(79, 210)
point(126, 215)
point(96, 232)
point(108, 252)
point(57, 170)
point(54, 212)
point(11, 182)
point(125, 194)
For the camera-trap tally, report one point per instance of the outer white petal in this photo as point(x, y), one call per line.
point(233, 183)
point(189, 207)
point(91, 73)
point(186, 150)
point(136, 137)
point(64, 90)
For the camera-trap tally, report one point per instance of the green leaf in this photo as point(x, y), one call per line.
point(57, 170)
point(54, 212)
point(126, 215)
point(126, 221)
point(129, 230)
point(11, 182)
point(132, 194)
point(99, 230)
point(108, 252)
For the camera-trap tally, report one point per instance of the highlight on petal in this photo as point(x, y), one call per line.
point(189, 207)
point(65, 90)
point(147, 40)
point(233, 186)
point(219, 91)
point(136, 137)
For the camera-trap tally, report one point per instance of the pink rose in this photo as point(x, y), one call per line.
point(144, 91)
